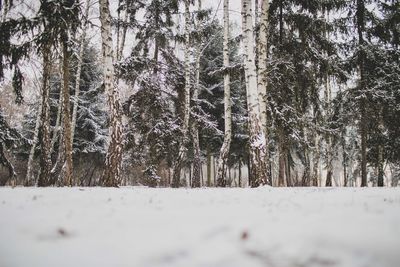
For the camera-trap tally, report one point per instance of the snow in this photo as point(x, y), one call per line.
point(142, 227)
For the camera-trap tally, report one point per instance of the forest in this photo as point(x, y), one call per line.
point(199, 133)
point(184, 93)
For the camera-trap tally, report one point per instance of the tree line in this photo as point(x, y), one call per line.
point(170, 93)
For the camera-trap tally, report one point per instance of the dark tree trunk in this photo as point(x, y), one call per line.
point(240, 173)
point(6, 162)
point(208, 167)
point(281, 172)
point(45, 160)
point(67, 118)
point(363, 123)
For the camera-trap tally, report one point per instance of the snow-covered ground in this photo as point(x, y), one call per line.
point(141, 227)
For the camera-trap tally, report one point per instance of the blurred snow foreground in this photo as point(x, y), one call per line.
point(142, 227)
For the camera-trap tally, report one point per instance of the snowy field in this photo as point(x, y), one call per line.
point(141, 227)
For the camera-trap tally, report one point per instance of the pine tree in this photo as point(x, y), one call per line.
point(9, 137)
point(186, 104)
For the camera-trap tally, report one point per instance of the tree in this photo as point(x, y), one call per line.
point(262, 74)
point(9, 137)
point(59, 21)
point(186, 105)
point(112, 172)
point(223, 158)
point(257, 138)
point(155, 77)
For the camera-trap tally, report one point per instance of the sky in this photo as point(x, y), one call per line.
point(234, 7)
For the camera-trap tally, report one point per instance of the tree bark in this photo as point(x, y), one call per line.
point(124, 31)
point(257, 137)
point(186, 110)
point(68, 164)
point(262, 72)
point(282, 157)
point(360, 13)
point(5, 8)
point(28, 178)
point(208, 167)
point(329, 148)
point(113, 164)
point(262, 65)
point(6, 162)
point(195, 131)
point(57, 127)
point(224, 153)
point(380, 151)
point(45, 160)
point(79, 70)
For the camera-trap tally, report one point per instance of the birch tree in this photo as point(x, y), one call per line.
point(262, 73)
point(257, 142)
point(224, 153)
point(112, 172)
point(262, 64)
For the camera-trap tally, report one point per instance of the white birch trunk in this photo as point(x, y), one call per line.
point(113, 163)
point(224, 153)
point(263, 75)
point(257, 137)
point(262, 64)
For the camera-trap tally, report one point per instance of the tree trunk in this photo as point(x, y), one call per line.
point(58, 133)
point(380, 151)
point(113, 163)
point(195, 133)
point(240, 173)
point(79, 70)
point(208, 167)
point(68, 164)
point(57, 127)
point(316, 153)
point(224, 153)
point(257, 137)
point(329, 148)
point(363, 123)
point(289, 182)
point(4, 8)
point(29, 181)
point(344, 156)
point(186, 110)
point(282, 157)
point(6, 162)
point(263, 75)
point(124, 31)
point(307, 170)
point(45, 161)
